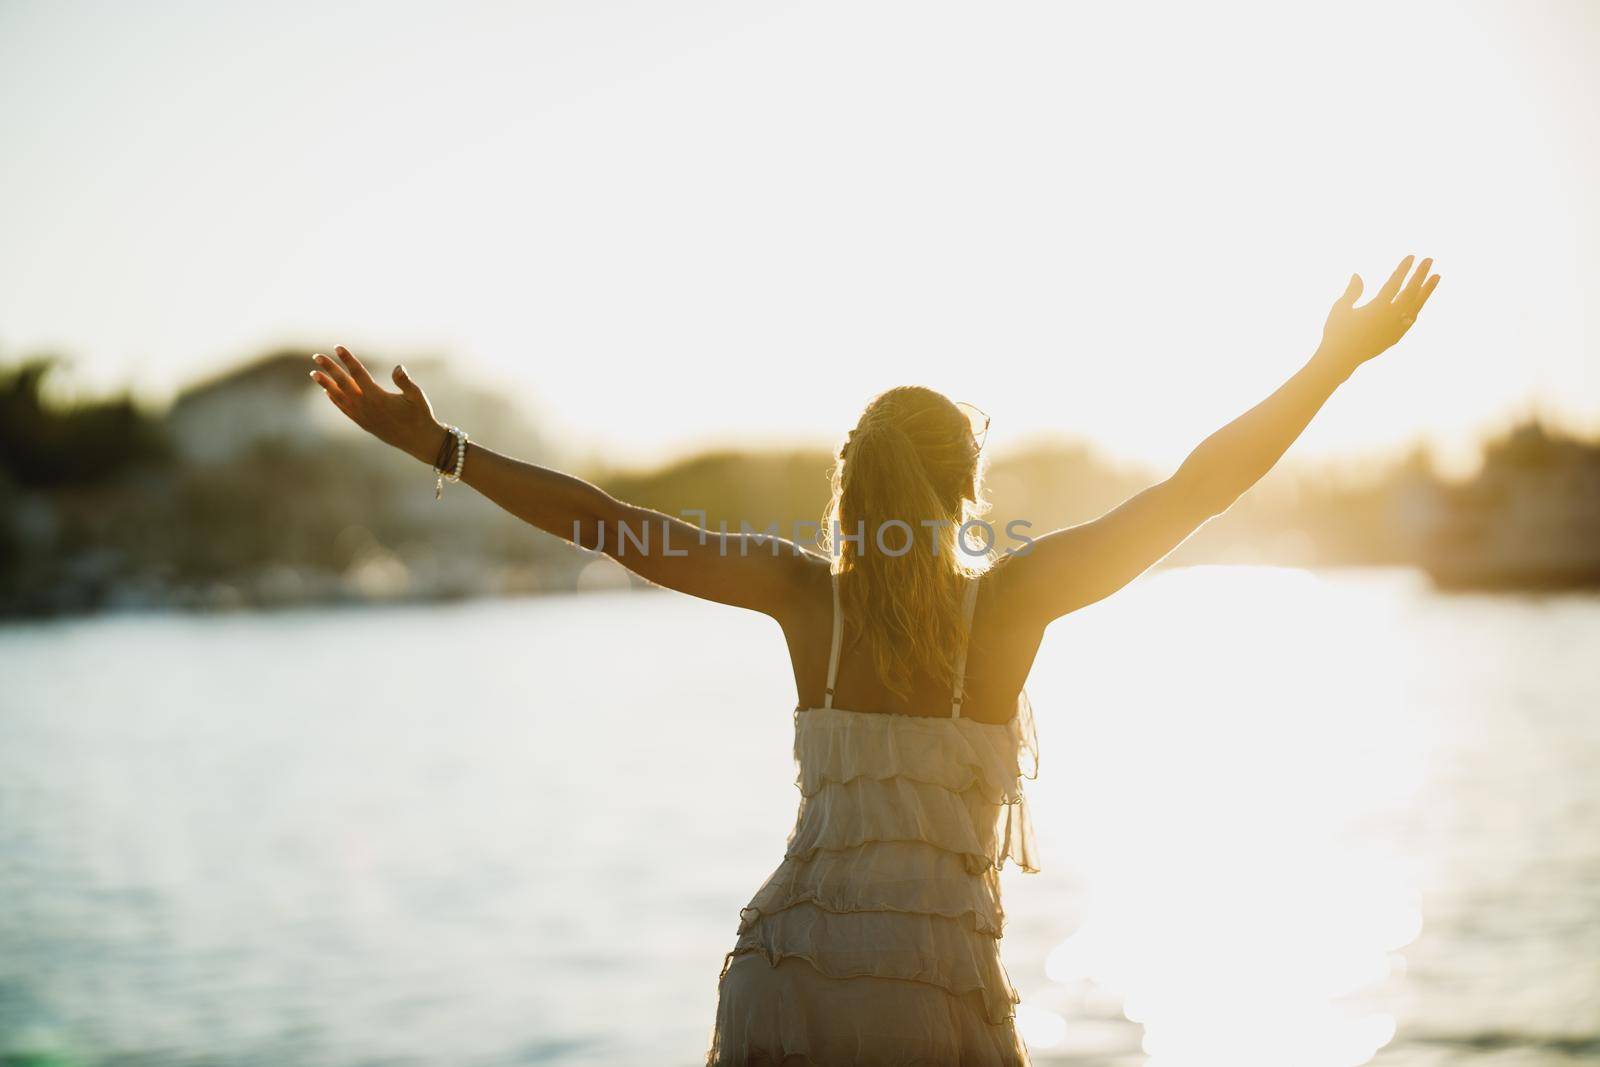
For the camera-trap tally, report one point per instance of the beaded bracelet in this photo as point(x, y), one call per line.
point(460, 437)
point(443, 455)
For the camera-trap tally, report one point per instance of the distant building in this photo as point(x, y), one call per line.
point(269, 399)
point(1529, 519)
point(274, 399)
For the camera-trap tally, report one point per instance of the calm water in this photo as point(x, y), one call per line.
point(1285, 818)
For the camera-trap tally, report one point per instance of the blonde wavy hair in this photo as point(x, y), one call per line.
point(907, 477)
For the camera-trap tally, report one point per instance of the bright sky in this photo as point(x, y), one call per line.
point(668, 224)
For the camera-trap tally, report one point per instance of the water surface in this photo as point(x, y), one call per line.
point(1286, 818)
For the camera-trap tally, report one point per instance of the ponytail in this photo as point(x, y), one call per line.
point(905, 481)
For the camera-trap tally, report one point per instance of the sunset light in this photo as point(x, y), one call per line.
point(596, 533)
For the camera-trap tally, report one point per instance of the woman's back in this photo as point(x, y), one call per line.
point(1001, 649)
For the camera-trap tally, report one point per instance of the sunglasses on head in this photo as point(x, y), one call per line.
point(977, 419)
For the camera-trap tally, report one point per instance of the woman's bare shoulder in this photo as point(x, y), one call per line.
point(1003, 590)
point(811, 574)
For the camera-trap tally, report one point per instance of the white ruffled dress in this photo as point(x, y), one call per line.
point(876, 941)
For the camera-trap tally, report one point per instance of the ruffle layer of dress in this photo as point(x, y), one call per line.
point(831, 745)
point(876, 940)
point(953, 783)
point(790, 1013)
point(904, 876)
point(930, 949)
point(843, 815)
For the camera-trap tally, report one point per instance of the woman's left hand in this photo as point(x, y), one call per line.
point(404, 419)
point(1354, 335)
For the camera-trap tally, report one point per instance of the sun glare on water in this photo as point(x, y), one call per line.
point(1238, 824)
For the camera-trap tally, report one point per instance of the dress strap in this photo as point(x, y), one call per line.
point(833, 650)
point(958, 693)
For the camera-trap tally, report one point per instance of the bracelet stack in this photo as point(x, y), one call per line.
point(456, 441)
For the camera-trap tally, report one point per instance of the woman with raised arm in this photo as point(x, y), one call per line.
point(876, 940)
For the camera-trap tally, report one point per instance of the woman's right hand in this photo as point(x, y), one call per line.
point(1354, 335)
point(404, 419)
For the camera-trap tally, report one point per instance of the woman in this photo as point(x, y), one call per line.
point(876, 939)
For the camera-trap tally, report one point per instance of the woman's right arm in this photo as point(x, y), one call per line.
point(758, 572)
point(1076, 566)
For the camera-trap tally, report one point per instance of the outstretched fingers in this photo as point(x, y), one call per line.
point(1427, 290)
point(1351, 294)
point(1413, 288)
point(357, 369)
point(338, 395)
point(402, 378)
point(341, 377)
point(1392, 286)
point(331, 390)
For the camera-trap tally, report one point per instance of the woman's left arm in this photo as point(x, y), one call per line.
point(1234, 458)
point(1078, 565)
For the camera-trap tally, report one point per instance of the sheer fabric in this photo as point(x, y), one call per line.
point(876, 940)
